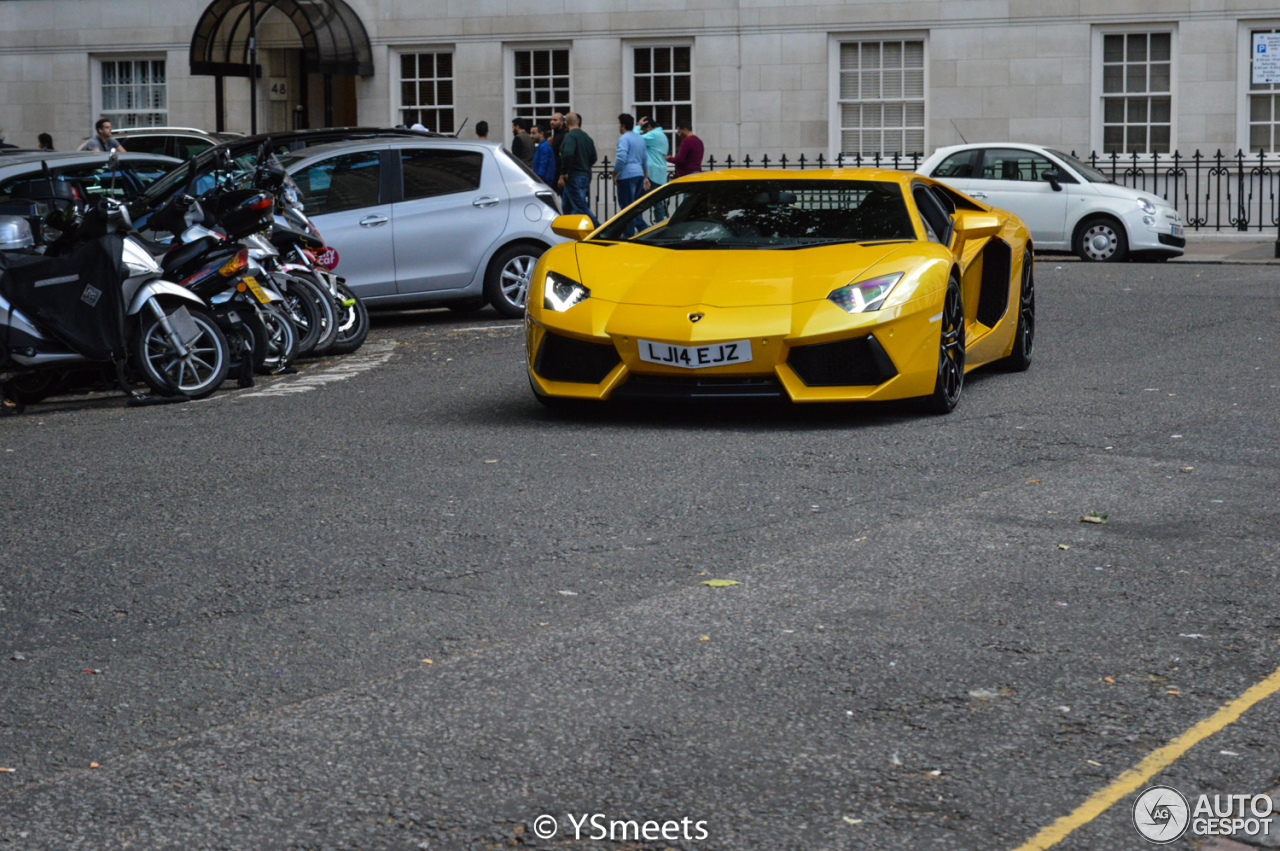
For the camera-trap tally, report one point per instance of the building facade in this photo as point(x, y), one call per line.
point(752, 76)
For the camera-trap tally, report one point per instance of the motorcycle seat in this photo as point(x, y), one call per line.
point(154, 248)
point(181, 255)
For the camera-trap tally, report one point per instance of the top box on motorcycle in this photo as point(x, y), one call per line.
point(242, 212)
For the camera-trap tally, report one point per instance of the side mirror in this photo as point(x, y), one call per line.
point(1053, 176)
point(976, 225)
point(575, 226)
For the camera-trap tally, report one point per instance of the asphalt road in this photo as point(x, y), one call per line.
point(227, 605)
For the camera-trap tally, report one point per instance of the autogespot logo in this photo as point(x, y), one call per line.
point(1161, 814)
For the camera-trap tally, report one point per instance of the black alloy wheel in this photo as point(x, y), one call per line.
point(1024, 336)
point(950, 381)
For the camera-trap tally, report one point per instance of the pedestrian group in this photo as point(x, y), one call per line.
point(562, 155)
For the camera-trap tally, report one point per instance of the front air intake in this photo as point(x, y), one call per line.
point(566, 359)
point(845, 363)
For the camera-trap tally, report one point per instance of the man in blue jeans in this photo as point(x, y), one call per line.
point(577, 156)
point(628, 168)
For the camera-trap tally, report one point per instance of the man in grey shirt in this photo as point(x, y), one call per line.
point(103, 141)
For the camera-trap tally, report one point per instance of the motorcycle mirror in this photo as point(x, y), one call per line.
point(113, 163)
point(191, 178)
point(48, 176)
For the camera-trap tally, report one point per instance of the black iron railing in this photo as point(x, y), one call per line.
point(1222, 192)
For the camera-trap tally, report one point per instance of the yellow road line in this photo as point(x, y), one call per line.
point(1155, 762)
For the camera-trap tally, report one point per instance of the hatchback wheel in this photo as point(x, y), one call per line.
point(1102, 240)
point(506, 286)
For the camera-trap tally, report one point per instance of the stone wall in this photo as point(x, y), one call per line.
point(1018, 70)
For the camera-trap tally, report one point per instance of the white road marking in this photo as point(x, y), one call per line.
point(369, 356)
point(516, 324)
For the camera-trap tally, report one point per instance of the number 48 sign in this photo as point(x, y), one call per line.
point(277, 88)
point(1266, 58)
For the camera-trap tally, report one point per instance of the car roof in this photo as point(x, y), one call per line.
point(16, 162)
point(390, 141)
point(887, 175)
point(157, 131)
point(969, 146)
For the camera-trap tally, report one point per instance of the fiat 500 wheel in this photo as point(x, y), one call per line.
point(1102, 240)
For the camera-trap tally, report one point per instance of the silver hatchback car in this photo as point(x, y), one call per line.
point(428, 221)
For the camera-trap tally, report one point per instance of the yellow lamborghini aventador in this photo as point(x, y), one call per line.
point(814, 286)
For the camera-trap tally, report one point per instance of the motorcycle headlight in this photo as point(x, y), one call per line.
point(560, 293)
point(863, 296)
point(1147, 206)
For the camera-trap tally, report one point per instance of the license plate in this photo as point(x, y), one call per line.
point(258, 293)
point(695, 357)
point(1175, 230)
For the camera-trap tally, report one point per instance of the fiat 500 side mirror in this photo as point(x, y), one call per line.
point(1053, 177)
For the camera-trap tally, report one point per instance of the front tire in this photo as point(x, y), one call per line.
point(1101, 240)
point(305, 314)
point(506, 285)
point(353, 323)
point(950, 381)
point(195, 376)
point(282, 340)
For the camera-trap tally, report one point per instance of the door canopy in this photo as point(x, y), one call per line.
point(333, 37)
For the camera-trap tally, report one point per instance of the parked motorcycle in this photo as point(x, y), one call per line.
point(101, 300)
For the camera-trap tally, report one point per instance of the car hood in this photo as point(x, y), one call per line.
point(1115, 190)
point(666, 277)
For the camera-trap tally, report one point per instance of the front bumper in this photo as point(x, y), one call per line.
point(1161, 233)
point(810, 352)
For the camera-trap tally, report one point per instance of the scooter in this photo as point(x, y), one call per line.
point(102, 302)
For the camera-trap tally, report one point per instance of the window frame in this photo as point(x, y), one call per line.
point(629, 47)
point(837, 40)
point(509, 105)
point(380, 154)
point(395, 94)
point(1244, 50)
point(95, 85)
point(1096, 107)
point(398, 154)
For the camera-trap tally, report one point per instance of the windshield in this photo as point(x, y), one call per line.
point(765, 214)
point(155, 195)
point(1087, 172)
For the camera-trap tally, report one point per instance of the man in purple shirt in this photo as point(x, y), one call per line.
point(688, 158)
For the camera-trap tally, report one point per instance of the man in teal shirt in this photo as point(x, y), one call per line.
point(655, 143)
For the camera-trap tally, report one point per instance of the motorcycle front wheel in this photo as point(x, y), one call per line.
point(282, 340)
point(167, 373)
point(305, 313)
point(353, 323)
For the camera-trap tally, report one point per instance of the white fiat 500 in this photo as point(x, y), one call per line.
point(1067, 205)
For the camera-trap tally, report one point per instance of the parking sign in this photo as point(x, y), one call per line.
point(1266, 58)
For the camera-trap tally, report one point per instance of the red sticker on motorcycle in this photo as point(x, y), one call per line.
point(328, 258)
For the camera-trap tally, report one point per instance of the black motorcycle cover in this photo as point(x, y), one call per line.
point(77, 298)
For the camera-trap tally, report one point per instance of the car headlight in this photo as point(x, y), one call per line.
point(560, 293)
point(1147, 206)
point(862, 296)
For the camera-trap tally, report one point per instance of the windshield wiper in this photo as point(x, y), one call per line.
point(680, 243)
point(839, 242)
